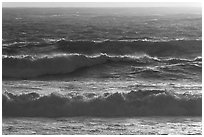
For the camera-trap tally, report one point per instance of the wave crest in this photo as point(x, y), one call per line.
point(29, 66)
point(180, 48)
point(33, 66)
point(134, 103)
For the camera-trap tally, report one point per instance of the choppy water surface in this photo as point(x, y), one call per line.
point(94, 71)
point(104, 126)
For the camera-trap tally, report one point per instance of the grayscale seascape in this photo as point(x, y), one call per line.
point(102, 71)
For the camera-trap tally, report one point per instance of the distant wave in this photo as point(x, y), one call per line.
point(176, 48)
point(134, 103)
point(30, 66)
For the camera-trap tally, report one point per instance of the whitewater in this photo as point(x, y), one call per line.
point(120, 71)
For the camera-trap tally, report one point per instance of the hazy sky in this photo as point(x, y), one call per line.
point(99, 4)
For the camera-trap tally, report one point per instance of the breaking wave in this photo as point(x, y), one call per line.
point(30, 66)
point(134, 103)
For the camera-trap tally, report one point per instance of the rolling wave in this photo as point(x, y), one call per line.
point(134, 103)
point(180, 48)
point(30, 66)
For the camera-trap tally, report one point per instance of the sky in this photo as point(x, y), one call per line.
point(100, 4)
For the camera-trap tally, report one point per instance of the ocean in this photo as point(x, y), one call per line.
point(102, 71)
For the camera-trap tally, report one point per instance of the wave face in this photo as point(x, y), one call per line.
point(158, 49)
point(180, 48)
point(29, 66)
point(134, 103)
point(22, 60)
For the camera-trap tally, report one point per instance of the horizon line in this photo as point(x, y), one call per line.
point(97, 4)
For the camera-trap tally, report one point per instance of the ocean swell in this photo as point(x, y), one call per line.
point(180, 48)
point(134, 103)
point(34, 66)
point(28, 66)
point(160, 49)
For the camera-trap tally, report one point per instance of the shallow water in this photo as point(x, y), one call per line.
point(104, 126)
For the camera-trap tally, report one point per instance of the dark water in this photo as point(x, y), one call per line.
point(101, 62)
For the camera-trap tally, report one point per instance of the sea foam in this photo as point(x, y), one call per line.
point(134, 103)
